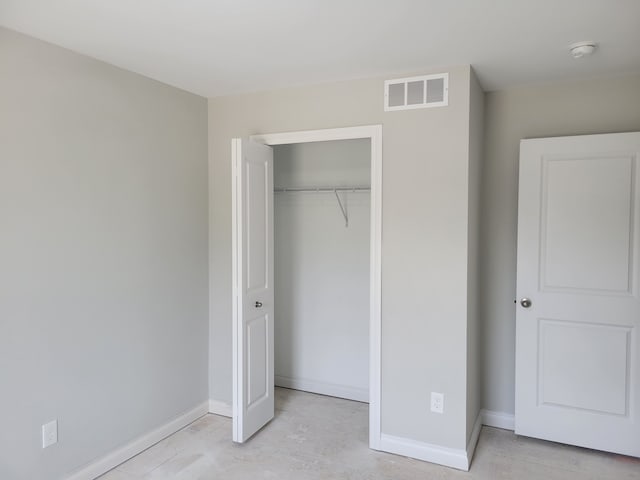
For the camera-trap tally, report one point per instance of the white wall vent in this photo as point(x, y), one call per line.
point(416, 92)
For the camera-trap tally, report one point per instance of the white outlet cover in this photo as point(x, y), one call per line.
point(49, 433)
point(437, 402)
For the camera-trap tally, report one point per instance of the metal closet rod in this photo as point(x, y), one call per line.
point(323, 189)
point(333, 190)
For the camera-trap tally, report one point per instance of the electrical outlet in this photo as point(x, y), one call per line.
point(49, 434)
point(437, 402)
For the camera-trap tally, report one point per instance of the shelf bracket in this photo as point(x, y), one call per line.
point(344, 213)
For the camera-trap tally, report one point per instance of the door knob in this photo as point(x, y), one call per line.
point(258, 304)
point(525, 302)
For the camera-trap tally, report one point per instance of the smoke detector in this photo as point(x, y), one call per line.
point(582, 49)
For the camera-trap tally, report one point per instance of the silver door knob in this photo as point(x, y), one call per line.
point(258, 304)
point(525, 302)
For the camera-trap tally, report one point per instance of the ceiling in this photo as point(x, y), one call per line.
point(220, 47)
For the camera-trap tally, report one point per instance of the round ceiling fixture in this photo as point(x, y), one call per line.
point(582, 49)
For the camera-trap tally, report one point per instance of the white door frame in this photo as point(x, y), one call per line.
point(374, 133)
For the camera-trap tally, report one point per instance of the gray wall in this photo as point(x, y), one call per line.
point(424, 239)
point(342, 162)
point(322, 269)
point(103, 256)
point(577, 108)
point(476, 139)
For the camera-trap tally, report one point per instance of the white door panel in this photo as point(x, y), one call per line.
point(253, 369)
point(586, 224)
point(577, 372)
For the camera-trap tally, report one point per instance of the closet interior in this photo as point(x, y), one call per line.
point(322, 242)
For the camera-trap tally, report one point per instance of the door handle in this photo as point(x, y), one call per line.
point(258, 304)
point(525, 302)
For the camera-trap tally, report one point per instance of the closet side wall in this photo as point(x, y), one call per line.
point(322, 269)
point(476, 138)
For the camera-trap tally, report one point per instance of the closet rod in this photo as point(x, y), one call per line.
point(333, 190)
point(322, 189)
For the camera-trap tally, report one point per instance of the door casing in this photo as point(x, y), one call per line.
point(374, 133)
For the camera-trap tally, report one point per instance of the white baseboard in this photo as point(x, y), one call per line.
point(502, 420)
point(220, 408)
point(140, 444)
point(473, 440)
point(449, 457)
point(333, 390)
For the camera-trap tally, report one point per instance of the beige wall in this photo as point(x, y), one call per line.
point(577, 108)
point(103, 256)
point(424, 239)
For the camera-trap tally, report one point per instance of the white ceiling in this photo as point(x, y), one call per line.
point(218, 47)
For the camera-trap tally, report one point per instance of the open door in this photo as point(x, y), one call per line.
point(578, 312)
point(253, 361)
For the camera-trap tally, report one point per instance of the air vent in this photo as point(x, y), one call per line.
point(416, 92)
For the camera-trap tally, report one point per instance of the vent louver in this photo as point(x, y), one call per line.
point(416, 92)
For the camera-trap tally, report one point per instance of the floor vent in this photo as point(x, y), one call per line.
point(416, 92)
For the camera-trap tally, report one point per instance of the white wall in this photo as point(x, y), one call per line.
point(575, 108)
point(103, 256)
point(424, 239)
point(322, 269)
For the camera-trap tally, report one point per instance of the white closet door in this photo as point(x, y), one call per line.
point(578, 317)
point(253, 360)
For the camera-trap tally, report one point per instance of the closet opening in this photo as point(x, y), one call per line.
point(306, 224)
point(321, 266)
